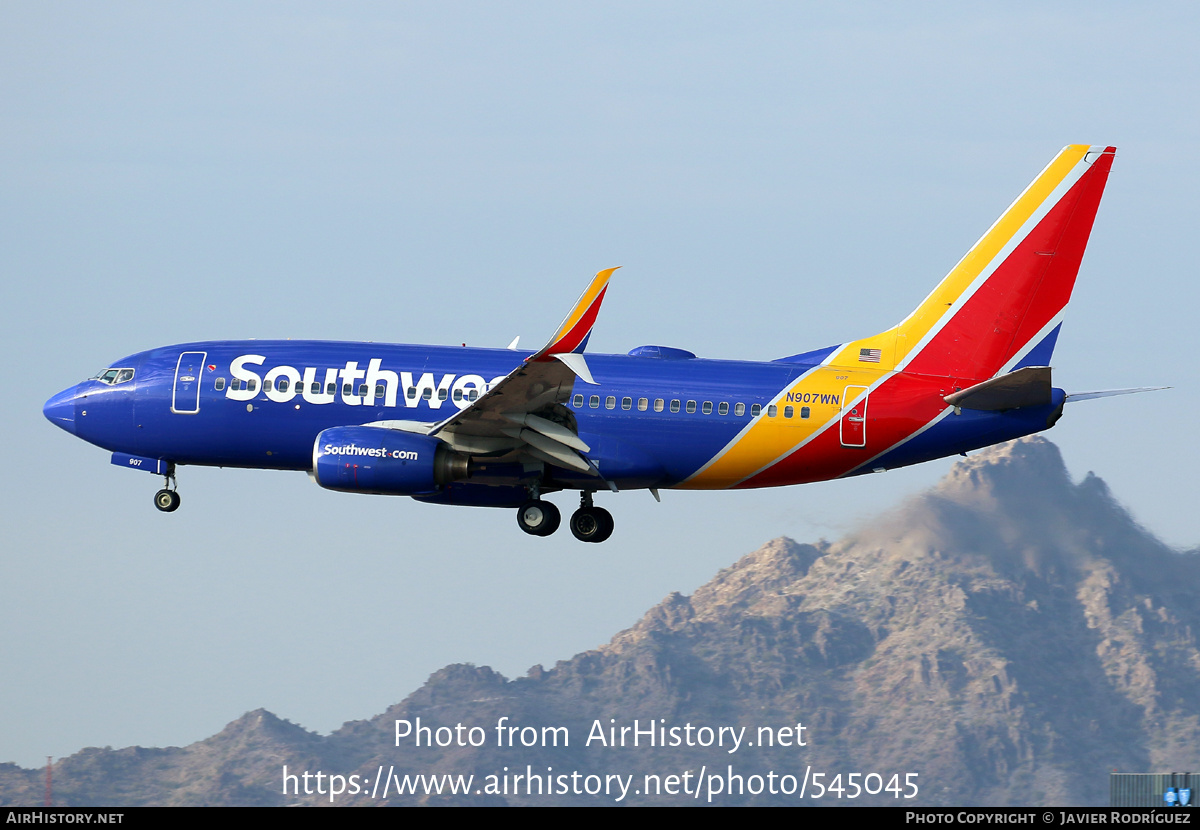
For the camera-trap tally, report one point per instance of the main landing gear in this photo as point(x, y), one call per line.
point(541, 518)
point(590, 523)
point(167, 499)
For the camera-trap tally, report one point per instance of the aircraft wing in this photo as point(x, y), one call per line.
point(518, 413)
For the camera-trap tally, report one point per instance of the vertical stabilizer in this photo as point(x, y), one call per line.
point(1000, 307)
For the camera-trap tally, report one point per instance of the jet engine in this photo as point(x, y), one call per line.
point(384, 461)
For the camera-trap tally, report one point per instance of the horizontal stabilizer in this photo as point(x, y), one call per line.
point(1025, 387)
point(1108, 393)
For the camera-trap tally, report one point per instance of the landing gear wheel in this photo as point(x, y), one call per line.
point(591, 524)
point(166, 500)
point(538, 518)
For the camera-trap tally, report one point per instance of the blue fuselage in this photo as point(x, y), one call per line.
point(651, 421)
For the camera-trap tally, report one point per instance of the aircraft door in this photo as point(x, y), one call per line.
point(185, 400)
point(854, 417)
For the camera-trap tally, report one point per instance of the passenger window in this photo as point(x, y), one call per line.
point(708, 407)
point(427, 394)
point(627, 403)
point(220, 384)
point(804, 411)
point(380, 391)
point(577, 401)
point(284, 384)
point(458, 394)
point(739, 409)
point(362, 390)
point(473, 395)
point(674, 404)
point(252, 385)
point(235, 385)
point(755, 410)
point(658, 404)
point(412, 393)
point(594, 401)
point(788, 411)
point(772, 411)
point(268, 385)
point(315, 388)
point(723, 408)
point(331, 389)
point(347, 389)
point(643, 404)
point(610, 402)
point(691, 407)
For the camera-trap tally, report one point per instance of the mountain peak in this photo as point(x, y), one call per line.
point(1025, 468)
point(1009, 635)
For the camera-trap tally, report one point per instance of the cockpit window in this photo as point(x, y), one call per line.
point(113, 376)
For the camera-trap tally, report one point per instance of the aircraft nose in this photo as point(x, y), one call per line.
point(60, 410)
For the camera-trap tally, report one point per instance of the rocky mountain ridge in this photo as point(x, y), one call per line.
point(1010, 637)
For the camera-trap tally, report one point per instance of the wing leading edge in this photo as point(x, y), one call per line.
point(524, 411)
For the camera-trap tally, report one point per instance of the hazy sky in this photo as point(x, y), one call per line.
point(773, 178)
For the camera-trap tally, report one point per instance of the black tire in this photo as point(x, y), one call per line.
point(553, 519)
point(166, 500)
point(606, 523)
point(591, 524)
point(538, 518)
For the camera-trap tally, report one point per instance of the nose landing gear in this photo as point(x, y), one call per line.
point(590, 523)
point(167, 499)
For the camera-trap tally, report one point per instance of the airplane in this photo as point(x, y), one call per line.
point(969, 367)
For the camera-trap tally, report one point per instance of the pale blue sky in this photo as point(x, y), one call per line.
point(772, 177)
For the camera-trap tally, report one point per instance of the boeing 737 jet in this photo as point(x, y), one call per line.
point(967, 368)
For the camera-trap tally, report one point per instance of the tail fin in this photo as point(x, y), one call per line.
point(1000, 307)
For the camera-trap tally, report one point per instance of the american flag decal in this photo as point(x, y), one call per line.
point(868, 355)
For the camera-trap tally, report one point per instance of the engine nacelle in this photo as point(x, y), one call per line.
point(384, 461)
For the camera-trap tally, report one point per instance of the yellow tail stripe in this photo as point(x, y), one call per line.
point(896, 343)
point(585, 302)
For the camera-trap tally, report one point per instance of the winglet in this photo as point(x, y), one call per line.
point(572, 335)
